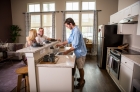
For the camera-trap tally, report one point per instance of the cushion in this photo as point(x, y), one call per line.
point(18, 46)
point(11, 46)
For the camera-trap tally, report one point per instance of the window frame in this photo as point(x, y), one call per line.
point(88, 2)
point(47, 3)
point(33, 4)
point(79, 4)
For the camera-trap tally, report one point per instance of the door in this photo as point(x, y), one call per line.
point(115, 66)
point(100, 46)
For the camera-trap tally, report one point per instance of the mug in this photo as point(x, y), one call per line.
point(46, 58)
point(52, 57)
point(86, 40)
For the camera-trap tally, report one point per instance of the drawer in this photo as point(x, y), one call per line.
point(127, 62)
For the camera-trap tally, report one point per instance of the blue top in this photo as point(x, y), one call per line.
point(77, 41)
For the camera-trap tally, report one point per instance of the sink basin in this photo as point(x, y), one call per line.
point(61, 53)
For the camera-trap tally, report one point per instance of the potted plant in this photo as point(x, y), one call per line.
point(15, 32)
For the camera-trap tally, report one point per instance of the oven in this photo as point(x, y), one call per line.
point(115, 61)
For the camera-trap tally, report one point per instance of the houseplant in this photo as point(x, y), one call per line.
point(15, 32)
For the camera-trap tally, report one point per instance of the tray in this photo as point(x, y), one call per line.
point(56, 59)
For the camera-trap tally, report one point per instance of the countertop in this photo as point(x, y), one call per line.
point(35, 49)
point(134, 58)
point(64, 61)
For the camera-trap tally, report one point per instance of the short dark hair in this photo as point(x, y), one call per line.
point(69, 20)
point(41, 28)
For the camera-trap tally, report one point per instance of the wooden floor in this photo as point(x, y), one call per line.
point(97, 80)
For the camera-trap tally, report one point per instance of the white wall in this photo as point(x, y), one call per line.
point(133, 40)
point(108, 7)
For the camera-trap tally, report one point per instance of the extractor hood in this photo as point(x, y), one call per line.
point(131, 20)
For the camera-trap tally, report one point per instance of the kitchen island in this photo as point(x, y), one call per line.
point(49, 77)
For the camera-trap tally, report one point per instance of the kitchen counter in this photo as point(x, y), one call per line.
point(134, 58)
point(49, 77)
point(64, 61)
point(35, 49)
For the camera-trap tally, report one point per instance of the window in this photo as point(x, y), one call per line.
point(72, 5)
point(75, 17)
point(42, 20)
point(35, 21)
point(87, 25)
point(88, 5)
point(48, 6)
point(47, 24)
point(33, 7)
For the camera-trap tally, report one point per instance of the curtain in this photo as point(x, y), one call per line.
point(53, 25)
point(27, 23)
point(64, 28)
point(95, 33)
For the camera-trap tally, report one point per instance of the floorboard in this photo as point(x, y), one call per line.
point(97, 80)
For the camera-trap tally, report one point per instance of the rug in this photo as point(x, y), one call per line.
point(8, 77)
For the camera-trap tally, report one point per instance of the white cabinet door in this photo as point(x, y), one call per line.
point(138, 26)
point(127, 12)
point(135, 8)
point(120, 15)
point(113, 18)
point(125, 78)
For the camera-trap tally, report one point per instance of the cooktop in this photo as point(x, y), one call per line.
point(127, 51)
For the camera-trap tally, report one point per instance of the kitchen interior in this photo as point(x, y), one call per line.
point(118, 49)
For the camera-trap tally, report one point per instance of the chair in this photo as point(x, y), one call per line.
point(22, 73)
point(136, 85)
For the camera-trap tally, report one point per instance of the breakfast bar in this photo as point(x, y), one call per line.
point(45, 77)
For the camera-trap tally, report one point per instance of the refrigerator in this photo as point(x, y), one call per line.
point(107, 37)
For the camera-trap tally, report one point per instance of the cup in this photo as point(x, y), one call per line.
point(46, 58)
point(52, 57)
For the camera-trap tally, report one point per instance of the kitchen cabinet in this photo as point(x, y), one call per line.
point(127, 12)
point(135, 8)
point(138, 27)
point(120, 15)
point(112, 19)
point(126, 28)
point(132, 10)
point(126, 72)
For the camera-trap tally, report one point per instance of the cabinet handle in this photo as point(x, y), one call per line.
point(125, 62)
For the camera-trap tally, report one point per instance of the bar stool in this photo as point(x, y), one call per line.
point(136, 85)
point(22, 73)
